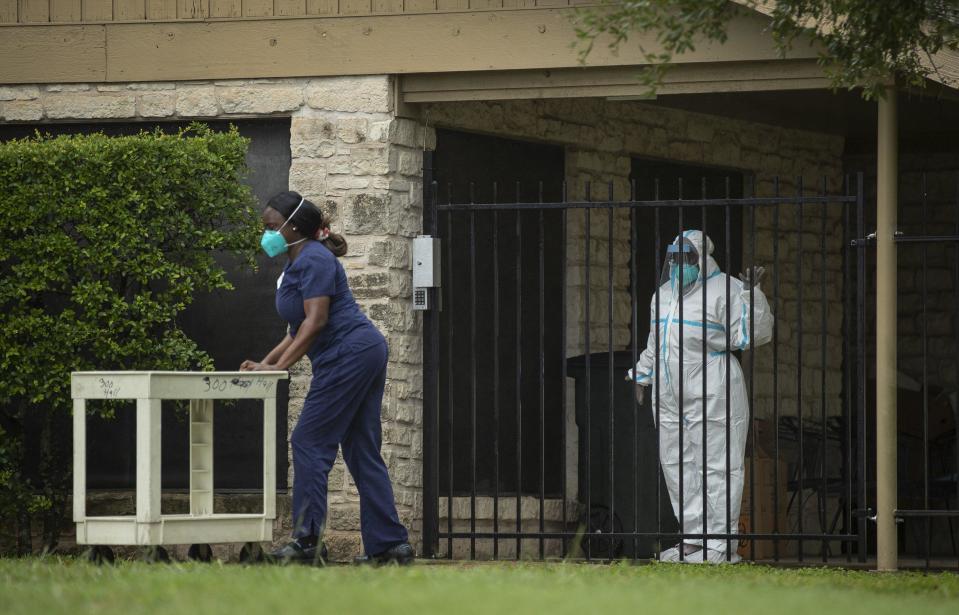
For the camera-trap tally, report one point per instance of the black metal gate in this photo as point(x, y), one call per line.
point(526, 284)
point(928, 454)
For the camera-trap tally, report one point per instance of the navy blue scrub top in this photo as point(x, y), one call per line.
point(316, 272)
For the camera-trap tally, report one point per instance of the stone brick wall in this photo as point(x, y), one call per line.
point(359, 161)
point(352, 156)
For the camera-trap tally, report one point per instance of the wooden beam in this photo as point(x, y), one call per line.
point(230, 48)
point(52, 54)
point(380, 44)
point(612, 81)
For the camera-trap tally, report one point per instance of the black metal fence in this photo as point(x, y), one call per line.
point(517, 466)
point(928, 454)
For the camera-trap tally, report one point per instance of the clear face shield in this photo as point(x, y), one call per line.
point(682, 265)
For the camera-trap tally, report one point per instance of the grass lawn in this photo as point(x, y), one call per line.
point(72, 586)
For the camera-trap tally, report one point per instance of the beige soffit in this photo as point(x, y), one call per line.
point(613, 81)
point(943, 66)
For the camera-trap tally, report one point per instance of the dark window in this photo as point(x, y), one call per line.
point(517, 168)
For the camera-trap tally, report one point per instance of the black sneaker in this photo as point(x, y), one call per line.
point(401, 554)
point(294, 553)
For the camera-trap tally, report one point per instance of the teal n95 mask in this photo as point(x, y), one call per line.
point(273, 242)
point(689, 274)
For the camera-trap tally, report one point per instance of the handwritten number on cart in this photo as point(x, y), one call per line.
point(219, 385)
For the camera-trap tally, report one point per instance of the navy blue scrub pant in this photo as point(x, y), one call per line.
point(343, 408)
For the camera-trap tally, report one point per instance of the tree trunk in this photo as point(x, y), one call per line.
point(55, 470)
point(53, 523)
point(24, 533)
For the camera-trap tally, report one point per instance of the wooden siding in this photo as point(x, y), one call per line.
point(29, 14)
point(303, 45)
point(77, 56)
point(104, 11)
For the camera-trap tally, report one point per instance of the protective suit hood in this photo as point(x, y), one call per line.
point(692, 245)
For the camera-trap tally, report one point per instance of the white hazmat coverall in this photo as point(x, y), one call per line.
point(681, 405)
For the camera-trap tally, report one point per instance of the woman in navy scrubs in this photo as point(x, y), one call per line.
point(342, 408)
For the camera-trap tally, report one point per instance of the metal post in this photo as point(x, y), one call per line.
point(886, 282)
point(431, 323)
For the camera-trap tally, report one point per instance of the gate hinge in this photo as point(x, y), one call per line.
point(868, 240)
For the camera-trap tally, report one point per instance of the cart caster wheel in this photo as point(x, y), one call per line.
point(99, 555)
point(251, 553)
point(200, 553)
point(154, 555)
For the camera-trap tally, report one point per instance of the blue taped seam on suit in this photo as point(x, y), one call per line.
point(692, 323)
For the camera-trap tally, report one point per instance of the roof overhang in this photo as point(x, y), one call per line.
point(621, 82)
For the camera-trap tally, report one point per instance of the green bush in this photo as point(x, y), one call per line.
point(105, 241)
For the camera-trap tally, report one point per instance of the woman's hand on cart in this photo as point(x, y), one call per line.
point(253, 366)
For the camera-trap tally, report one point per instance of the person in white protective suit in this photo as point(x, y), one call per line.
point(689, 272)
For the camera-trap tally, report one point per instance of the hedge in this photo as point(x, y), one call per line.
point(105, 241)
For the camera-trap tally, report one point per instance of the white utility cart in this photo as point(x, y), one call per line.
point(201, 527)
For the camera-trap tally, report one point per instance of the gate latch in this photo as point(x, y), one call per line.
point(426, 269)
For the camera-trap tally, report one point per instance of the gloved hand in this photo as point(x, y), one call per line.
point(640, 393)
point(753, 276)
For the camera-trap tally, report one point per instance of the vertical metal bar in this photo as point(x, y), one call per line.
point(729, 357)
point(799, 353)
point(861, 370)
point(634, 317)
point(472, 354)
point(496, 369)
point(704, 274)
point(925, 369)
point(542, 385)
point(659, 364)
point(519, 375)
point(848, 311)
point(775, 426)
point(430, 380)
point(589, 388)
point(612, 405)
point(678, 292)
point(956, 302)
point(449, 375)
point(824, 493)
point(752, 368)
point(563, 354)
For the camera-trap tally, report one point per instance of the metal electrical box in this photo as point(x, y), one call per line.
point(426, 269)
